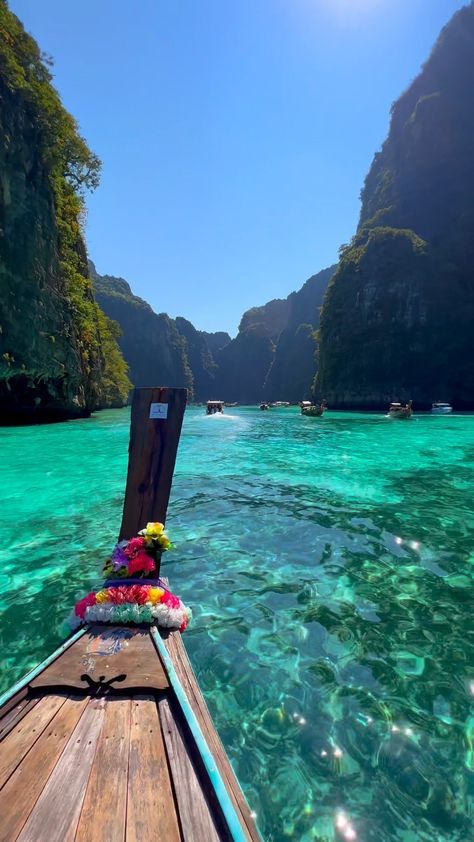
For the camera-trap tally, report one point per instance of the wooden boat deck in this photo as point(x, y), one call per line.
point(96, 749)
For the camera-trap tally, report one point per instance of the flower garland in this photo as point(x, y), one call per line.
point(139, 602)
point(139, 556)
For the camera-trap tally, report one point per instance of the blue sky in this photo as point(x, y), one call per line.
point(235, 135)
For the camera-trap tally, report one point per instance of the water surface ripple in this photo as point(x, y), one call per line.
point(329, 564)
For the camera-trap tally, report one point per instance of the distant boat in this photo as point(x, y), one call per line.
point(312, 410)
point(396, 410)
point(264, 405)
point(214, 406)
point(440, 408)
point(280, 403)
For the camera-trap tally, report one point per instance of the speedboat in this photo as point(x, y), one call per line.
point(440, 408)
point(214, 406)
point(396, 410)
point(264, 405)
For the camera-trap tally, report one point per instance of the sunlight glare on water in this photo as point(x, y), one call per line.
point(329, 566)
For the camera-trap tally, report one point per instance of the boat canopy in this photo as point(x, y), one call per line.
point(215, 407)
point(305, 403)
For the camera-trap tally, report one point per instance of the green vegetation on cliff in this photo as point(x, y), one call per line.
point(398, 314)
point(151, 343)
point(58, 353)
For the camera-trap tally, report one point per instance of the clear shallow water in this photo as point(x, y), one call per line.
point(329, 565)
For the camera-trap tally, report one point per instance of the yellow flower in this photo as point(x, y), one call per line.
point(102, 596)
point(155, 595)
point(154, 529)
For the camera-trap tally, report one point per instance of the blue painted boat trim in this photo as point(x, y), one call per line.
point(34, 672)
point(228, 809)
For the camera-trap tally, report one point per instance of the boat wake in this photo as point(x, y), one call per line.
point(222, 417)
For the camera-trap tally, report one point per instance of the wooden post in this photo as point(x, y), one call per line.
point(157, 416)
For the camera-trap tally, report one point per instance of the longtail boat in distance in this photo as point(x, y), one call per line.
point(110, 737)
point(312, 410)
point(396, 410)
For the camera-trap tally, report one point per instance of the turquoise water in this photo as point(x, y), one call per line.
point(329, 565)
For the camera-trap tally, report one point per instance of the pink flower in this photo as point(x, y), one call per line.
point(170, 600)
point(83, 604)
point(118, 595)
point(184, 624)
point(141, 562)
point(138, 594)
point(134, 546)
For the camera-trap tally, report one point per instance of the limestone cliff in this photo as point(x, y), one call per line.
point(153, 347)
point(243, 365)
point(270, 356)
point(281, 337)
point(291, 374)
point(200, 359)
point(397, 320)
point(273, 316)
point(216, 341)
point(52, 334)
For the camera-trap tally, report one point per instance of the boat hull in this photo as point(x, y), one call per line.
point(402, 415)
point(111, 739)
point(313, 412)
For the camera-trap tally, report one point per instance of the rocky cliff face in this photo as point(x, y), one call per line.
point(216, 341)
point(291, 374)
point(272, 317)
point(280, 339)
point(52, 334)
point(36, 328)
point(200, 359)
point(243, 365)
point(398, 314)
point(153, 347)
point(271, 356)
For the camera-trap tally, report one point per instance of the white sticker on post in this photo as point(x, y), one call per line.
point(159, 410)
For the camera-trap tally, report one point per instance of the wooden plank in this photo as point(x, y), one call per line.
point(23, 788)
point(24, 736)
point(194, 812)
point(104, 809)
point(152, 456)
point(151, 813)
point(13, 702)
point(13, 717)
point(56, 813)
point(182, 665)
point(126, 657)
